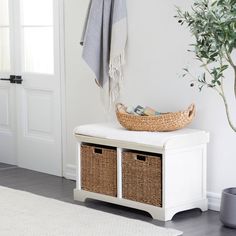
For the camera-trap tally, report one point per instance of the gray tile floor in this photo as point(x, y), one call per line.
point(192, 223)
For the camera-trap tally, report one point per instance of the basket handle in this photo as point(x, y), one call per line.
point(119, 106)
point(140, 158)
point(191, 111)
point(97, 150)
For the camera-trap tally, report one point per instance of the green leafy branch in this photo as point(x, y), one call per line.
point(213, 25)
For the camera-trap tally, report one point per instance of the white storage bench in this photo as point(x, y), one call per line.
point(161, 173)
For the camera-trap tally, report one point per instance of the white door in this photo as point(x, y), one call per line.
point(36, 105)
point(7, 90)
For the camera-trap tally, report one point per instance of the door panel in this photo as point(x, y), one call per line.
point(32, 12)
point(40, 102)
point(7, 91)
point(30, 113)
point(7, 123)
point(38, 59)
point(39, 114)
point(36, 146)
point(4, 107)
point(4, 49)
point(4, 12)
point(4, 36)
point(39, 136)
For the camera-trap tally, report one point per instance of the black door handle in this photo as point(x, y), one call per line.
point(18, 79)
point(11, 79)
point(14, 79)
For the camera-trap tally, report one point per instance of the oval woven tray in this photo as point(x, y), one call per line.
point(165, 122)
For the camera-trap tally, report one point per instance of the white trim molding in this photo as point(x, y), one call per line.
point(214, 200)
point(70, 172)
point(63, 84)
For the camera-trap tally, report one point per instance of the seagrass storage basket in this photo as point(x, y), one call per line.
point(98, 169)
point(165, 122)
point(142, 177)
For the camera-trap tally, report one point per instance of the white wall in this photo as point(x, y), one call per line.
point(156, 54)
point(82, 94)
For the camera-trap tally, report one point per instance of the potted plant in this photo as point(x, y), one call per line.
point(213, 25)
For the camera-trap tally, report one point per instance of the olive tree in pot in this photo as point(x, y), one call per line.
point(213, 25)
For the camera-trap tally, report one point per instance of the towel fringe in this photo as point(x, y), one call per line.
point(116, 77)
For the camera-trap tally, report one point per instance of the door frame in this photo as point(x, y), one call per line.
point(63, 85)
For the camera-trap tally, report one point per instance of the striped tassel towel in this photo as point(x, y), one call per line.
point(104, 42)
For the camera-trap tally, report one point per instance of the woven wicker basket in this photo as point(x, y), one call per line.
point(164, 122)
point(142, 177)
point(99, 171)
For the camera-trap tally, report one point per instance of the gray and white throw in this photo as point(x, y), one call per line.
point(104, 39)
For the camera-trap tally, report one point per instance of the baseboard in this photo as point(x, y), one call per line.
point(70, 172)
point(214, 199)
